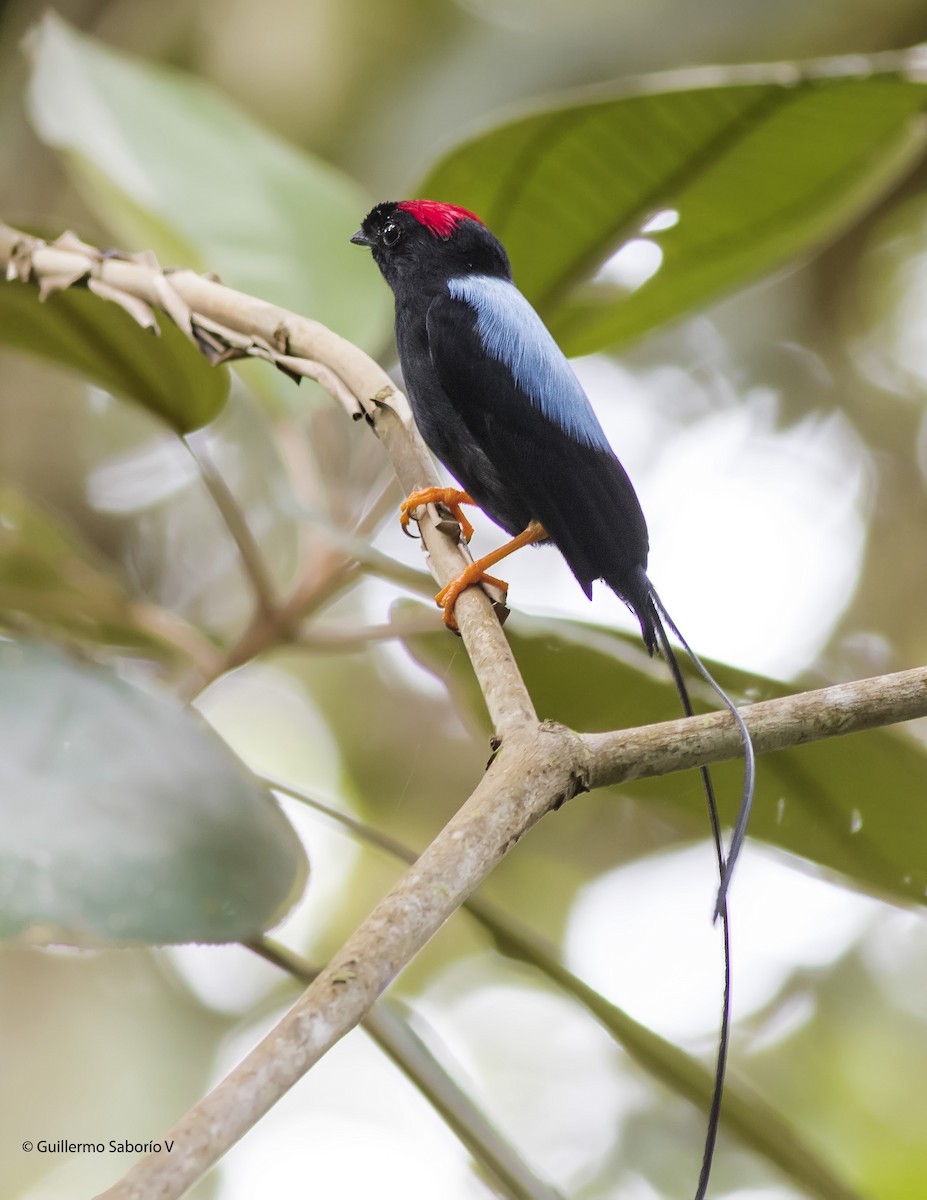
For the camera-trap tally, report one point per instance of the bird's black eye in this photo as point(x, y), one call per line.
point(391, 234)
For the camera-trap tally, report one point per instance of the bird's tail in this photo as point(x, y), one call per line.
point(661, 622)
point(655, 622)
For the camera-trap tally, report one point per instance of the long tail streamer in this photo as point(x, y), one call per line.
point(746, 799)
point(662, 620)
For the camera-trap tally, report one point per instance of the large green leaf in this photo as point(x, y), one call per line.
point(173, 166)
point(853, 805)
point(125, 818)
point(760, 164)
point(165, 374)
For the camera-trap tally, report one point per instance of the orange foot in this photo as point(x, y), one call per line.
point(472, 574)
point(476, 571)
point(449, 498)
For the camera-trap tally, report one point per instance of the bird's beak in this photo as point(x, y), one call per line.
point(361, 239)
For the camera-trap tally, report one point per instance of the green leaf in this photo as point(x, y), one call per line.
point(761, 164)
point(173, 166)
point(853, 805)
point(126, 818)
point(165, 374)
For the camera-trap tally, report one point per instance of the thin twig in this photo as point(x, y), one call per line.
point(340, 638)
point(380, 507)
point(165, 626)
point(252, 560)
point(349, 559)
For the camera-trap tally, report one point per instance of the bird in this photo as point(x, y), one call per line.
point(498, 403)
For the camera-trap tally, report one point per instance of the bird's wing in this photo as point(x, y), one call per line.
point(524, 407)
point(485, 333)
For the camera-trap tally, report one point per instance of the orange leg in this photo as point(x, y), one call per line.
point(449, 498)
point(476, 571)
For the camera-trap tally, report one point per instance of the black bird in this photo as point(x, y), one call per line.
point(497, 402)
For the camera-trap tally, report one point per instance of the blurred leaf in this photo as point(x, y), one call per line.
point(126, 818)
point(851, 804)
point(173, 166)
point(165, 374)
point(50, 577)
point(760, 164)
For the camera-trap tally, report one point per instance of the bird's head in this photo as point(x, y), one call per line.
point(421, 242)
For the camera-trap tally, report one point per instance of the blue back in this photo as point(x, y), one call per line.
point(513, 334)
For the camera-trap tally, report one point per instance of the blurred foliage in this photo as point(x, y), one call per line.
point(143, 825)
point(156, 368)
point(751, 166)
point(170, 165)
point(114, 550)
point(52, 581)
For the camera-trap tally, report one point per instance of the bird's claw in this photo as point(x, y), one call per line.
point(476, 572)
point(447, 598)
point(448, 498)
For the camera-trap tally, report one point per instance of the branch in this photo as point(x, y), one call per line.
point(641, 753)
